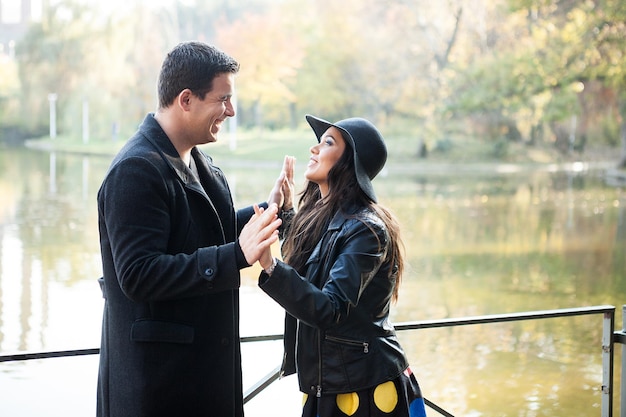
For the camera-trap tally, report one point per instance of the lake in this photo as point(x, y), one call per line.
point(480, 239)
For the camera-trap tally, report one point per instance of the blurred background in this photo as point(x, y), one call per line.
point(506, 128)
point(496, 72)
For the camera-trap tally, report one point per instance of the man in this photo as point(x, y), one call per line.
point(172, 246)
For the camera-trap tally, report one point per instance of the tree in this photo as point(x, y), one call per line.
point(83, 55)
point(539, 75)
point(270, 54)
point(608, 27)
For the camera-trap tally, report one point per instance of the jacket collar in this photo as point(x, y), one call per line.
point(340, 217)
point(155, 134)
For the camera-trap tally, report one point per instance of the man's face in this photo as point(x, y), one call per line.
point(206, 116)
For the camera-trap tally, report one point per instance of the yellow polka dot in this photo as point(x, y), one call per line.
point(348, 403)
point(386, 397)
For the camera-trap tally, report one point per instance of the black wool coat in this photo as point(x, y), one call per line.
point(170, 333)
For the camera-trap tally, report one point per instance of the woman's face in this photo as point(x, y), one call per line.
point(324, 156)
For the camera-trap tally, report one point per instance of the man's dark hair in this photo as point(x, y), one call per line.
point(192, 65)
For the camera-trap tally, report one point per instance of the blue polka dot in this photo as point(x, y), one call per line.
point(417, 408)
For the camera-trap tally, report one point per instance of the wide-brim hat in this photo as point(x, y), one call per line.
point(368, 145)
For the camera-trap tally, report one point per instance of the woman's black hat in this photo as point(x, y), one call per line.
point(368, 145)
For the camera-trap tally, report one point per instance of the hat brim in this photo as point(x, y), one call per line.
point(320, 126)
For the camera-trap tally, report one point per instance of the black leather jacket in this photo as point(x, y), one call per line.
point(338, 315)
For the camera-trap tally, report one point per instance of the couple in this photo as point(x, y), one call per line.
point(172, 247)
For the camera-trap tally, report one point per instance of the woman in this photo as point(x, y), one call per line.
point(341, 271)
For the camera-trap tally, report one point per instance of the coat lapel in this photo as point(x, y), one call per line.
point(213, 190)
point(216, 187)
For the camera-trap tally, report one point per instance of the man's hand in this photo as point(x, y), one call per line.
point(259, 234)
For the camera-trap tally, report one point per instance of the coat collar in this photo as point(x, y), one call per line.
point(155, 134)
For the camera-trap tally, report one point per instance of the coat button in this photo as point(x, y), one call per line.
point(208, 272)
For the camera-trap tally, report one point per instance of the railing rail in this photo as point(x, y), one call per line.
point(609, 338)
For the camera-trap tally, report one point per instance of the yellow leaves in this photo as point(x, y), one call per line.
point(269, 54)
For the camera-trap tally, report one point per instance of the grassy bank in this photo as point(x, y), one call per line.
point(268, 146)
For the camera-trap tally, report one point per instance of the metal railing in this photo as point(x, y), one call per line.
point(609, 339)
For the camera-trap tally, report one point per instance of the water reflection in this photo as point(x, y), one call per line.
point(46, 242)
point(477, 243)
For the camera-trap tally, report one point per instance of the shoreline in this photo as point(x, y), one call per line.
point(420, 165)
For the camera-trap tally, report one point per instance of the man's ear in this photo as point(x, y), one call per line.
point(184, 99)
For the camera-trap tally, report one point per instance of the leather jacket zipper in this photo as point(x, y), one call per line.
point(365, 345)
point(319, 365)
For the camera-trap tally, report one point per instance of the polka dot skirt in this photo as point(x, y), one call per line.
point(399, 398)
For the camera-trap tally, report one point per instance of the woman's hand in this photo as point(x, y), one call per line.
point(288, 186)
point(283, 190)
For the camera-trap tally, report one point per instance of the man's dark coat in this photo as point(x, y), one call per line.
point(170, 334)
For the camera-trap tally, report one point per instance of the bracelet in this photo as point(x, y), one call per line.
point(287, 215)
point(269, 270)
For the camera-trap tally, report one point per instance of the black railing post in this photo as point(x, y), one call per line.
point(619, 336)
point(608, 324)
point(622, 403)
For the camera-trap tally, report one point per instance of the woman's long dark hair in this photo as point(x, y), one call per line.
point(315, 213)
